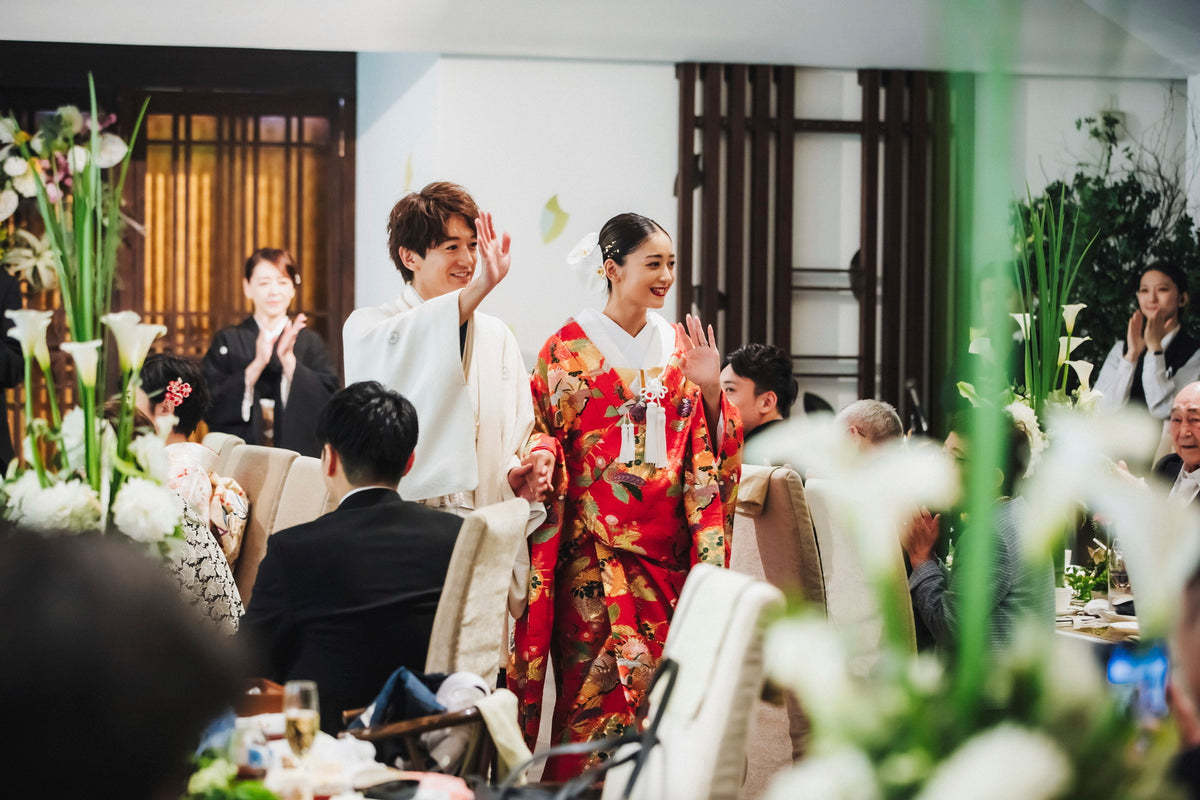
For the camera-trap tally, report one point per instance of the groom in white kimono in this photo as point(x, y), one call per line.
point(460, 368)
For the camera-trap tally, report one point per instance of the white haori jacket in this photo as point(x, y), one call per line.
point(475, 411)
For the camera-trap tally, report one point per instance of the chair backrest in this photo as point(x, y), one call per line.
point(223, 444)
point(261, 472)
point(304, 496)
point(716, 639)
point(851, 601)
point(468, 628)
point(773, 540)
point(773, 537)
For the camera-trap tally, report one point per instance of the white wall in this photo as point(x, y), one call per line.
point(1047, 146)
point(602, 137)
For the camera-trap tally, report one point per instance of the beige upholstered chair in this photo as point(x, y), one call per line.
point(304, 496)
point(261, 472)
point(468, 628)
point(850, 600)
point(773, 540)
point(223, 444)
point(716, 639)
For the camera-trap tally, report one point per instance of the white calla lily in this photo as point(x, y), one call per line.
point(1023, 322)
point(1083, 369)
point(1067, 345)
point(133, 337)
point(1070, 312)
point(29, 328)
point(23, 178)
point(8, 131)
point(86, 356)
point(38, 144)
point(112, 150)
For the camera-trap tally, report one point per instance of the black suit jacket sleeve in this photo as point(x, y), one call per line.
point(269, 623)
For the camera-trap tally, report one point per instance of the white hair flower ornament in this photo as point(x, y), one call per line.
point(588, 264)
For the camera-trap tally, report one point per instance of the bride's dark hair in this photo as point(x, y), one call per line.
point(625, 233)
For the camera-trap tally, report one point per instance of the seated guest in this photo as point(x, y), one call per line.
point(1184, 425)
point(757, 379)
point(111, 677)
point(347, 598)
point(178, 393)
point(871, 422)
point(1021, 589)
point(203, 573)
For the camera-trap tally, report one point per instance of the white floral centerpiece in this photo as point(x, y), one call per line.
point(76, 472)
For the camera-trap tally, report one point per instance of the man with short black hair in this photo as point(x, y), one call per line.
point(758, 380)
point(347, 598)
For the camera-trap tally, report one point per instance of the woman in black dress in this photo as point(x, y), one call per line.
point(270, 376)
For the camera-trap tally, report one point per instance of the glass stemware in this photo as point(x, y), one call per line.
point(302, 715)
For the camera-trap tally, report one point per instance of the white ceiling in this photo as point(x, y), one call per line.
point(1120, 38)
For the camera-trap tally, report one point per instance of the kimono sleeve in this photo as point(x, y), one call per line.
point(313, 382)
point(532, 630)
point(225, 371)
point(711, 478)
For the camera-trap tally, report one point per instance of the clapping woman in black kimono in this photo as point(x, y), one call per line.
point(270, 375)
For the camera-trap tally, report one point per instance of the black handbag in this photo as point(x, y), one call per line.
point(587, 784)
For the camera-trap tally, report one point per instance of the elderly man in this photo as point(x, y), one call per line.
point(871, 422)
point(1180, 467)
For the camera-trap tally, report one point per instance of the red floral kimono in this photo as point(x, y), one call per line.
point(610, 561)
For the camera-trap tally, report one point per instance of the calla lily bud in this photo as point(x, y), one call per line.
point(29, 328)
point(86, 356)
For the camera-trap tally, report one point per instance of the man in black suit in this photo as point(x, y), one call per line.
point(347, 598)
point(1180, 467)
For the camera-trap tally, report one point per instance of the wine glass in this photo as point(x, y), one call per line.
point(302, 715)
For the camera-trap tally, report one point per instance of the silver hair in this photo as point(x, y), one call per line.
point(874, 419)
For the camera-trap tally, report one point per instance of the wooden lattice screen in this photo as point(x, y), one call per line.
point(736, 191)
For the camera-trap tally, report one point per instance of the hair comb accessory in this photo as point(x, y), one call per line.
point(585, 259)
point(177, 392)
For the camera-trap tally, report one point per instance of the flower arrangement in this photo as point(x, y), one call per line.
point(76, 473)
point(1033, 718)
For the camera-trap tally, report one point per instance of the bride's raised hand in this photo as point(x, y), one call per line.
point(701, 363)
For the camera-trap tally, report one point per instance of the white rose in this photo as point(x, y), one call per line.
point(145, 511)
point(842, 775)
point(983, 768)
point(151, 455)
point(70, 507)
point(18, 493)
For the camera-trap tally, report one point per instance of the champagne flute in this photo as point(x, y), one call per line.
point(302, 715)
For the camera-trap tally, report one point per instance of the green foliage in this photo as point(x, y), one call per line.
point(1134, 222)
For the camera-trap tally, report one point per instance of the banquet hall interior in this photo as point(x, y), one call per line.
point(833, 177)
